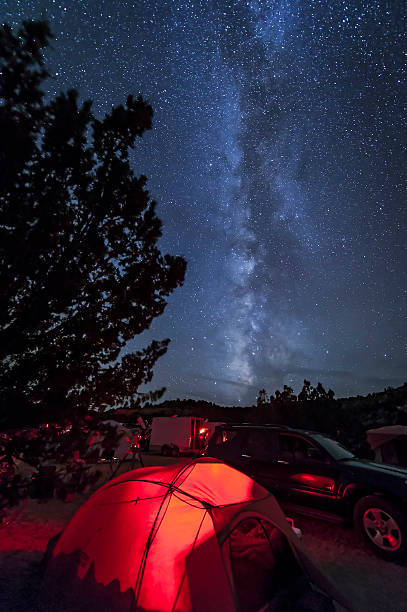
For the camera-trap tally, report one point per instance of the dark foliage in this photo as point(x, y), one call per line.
point(262, 398)
point(52, 459)
point(80, 271)
point(308, 392)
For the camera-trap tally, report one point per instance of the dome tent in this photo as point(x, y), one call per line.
point(169, 539)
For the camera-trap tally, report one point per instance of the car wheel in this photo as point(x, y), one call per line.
point(166, 451)
point(383, 527)
point(174, 451)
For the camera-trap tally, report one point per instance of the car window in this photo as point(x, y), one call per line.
point(224, 437)
point(259, 445)
point(401, 451)
point(261, 562)
point(333, 447)
point(296, 449)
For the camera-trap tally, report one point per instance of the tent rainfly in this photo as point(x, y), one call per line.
point(191, 537)
point(389, 444)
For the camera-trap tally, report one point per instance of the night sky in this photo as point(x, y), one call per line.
point(278, 161)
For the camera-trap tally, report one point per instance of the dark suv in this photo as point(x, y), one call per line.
point(314, 474)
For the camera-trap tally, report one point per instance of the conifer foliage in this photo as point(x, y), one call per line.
point(80, 270)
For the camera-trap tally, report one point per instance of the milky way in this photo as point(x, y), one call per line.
point(278, 161)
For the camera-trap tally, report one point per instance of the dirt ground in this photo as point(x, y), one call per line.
point(372, 585)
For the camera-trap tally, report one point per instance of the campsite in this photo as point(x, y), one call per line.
point(372, 585)
point(203, 404)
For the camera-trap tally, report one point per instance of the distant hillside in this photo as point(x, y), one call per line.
point(375, 409)
point(345, 418)
point(199, 408)
point(390, 402)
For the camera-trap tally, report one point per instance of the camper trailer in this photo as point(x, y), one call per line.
point(172, 436)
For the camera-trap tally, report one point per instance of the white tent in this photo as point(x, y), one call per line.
point(124, 442)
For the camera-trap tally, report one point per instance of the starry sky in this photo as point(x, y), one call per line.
point(278, 161)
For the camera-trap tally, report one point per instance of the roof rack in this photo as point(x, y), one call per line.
point(266, 425)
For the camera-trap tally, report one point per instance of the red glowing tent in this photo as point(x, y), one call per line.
point(199, 536)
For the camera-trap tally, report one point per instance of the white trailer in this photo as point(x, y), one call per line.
point(179, 435)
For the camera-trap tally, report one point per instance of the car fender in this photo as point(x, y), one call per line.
point(352, 492)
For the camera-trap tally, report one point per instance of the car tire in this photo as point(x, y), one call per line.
point(175, 451)
point(165, 451)
point(383, 527)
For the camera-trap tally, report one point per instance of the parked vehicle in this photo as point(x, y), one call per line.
point(311, 473)
point(172, 436)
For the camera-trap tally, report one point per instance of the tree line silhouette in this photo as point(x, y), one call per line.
point(307, 393)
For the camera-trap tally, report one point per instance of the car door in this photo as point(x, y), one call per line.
point(304, 473)
point(257, 454)
point(225, 444)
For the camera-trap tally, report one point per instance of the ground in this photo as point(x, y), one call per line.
point(371, 584)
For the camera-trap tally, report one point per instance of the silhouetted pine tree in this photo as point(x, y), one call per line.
point(308, 392)
point(80, 271)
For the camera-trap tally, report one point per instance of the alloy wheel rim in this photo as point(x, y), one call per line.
point(382, 529)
